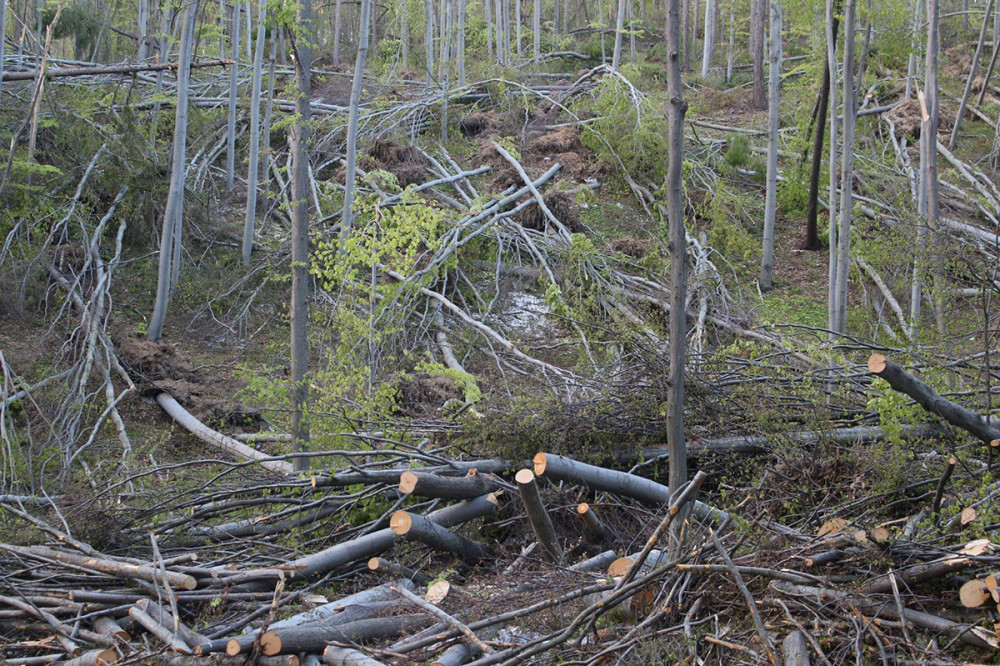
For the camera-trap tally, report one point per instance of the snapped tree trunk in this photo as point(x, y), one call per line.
point(771, 198)
point(170, 234)
point(298, 306)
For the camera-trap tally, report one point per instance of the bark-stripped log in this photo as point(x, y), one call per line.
point(341, 656)
point(425, 484)
point(562, 468)
point(217, 439)
point(111, 567)
point(314, 637)
point(538, 517)
point(902, 381)
point(414, 527)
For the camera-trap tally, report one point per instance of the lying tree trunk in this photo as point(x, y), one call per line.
point(414, 527)
point(334, 612)
point(165, 618)
point(109, 627)
point(217, 439)
point(314, 637)
point(562, 468)
point(109, 69)
point(597, 562)
point(387, 568)
point(165, 635)
point(538, 517)
point(794, 650)
point(342, 656)
point(597, 531)
point(902, 381)
point(92, 658)
point(391, 476)
point(425, 484)
point(127, 570)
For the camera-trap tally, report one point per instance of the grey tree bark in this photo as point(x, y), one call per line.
point(298, 306)
point(258, 75)
point(831, 63)
point(337, 25)
point(142, 24)
point(170, 235)
point(770, 204)
point(971, 78)
point(234, 36)
point(352, 128)
point(929, 132)
point(846, 173)
point(460, 39)
point(3, 33)
point(911, 67)
point(758, 20)
point(616, 57)
point(429, 39)
point(732, 40)
point(536, 28)
point(709, 44)
point(678, 254)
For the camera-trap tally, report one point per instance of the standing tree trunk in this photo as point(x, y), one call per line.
point(911, 66)
point(831, 63)
point(234, 36)
point(929, 129)
point(536, 29)
point(258, 75)
point(686, 32)
point(170, 234)
point(971, 78)
point(616, 57)
point(460, 38)
point(429, 39)
point(447, 11)
point(812, 214)
point(143, 25)
point(678, 259)
point(709, 46)
point(347, 218)
point(517, 23)
point(843, 248)
point(489, 29)
point(770, 204)
point(404, 36)
point(337, 23)
point(758, 18)
point(298, 306)
point(732, 41)
point(3, 34)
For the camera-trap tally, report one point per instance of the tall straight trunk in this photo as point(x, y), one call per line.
point(499, 32)
point(758, 19)
point(812, 214)
point(170, 234)
point(555, 16)
point(3, 35)
point(299, 303)
point(404, 36)
point(429, 38)
point(732, 41)
point(686, 32)
point(269, 112)
point(234, 36)
point(678, 260)
point(258, 75)
point(972, 75)
point(489, 29)
point(506, 32)
point(337, 25)
point(517, 23)
point(911, 67)
point(248, 32)
point(631, 31)
point(616, 57)
point(770, 203)
point(536, 28)
point(709, 45)
point(142, 24)
point(447, 12)
point(460, 38)
point(347, 218)
point(989, 68)
point(831, 63)
point(846, 170)
point(929, 129)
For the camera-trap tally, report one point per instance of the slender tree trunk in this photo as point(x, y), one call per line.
point(517, 23)
point(709, 45)
point(347, 218)
point(234, 36)
point(732, 41)
point(972, 75)
point(831, 60)
point(337, 26)
point(487, 4)
point(536, 29)
point(770, 204)
point(812, 214)
point(404, 36)
point(499, 32)
point(299, 304)
point(930, 130)
point(429, 38)
point(758, 19)
point(678, 260)
point(846, 170)
point(911, 67)
point(686, 32)
point(258, 75)
point(3, 35)
point(175, 196)
point(143, 23)
point(447, 12)
point(460, 38)
point(616, 57)
point(631, 31)
point(989, 68)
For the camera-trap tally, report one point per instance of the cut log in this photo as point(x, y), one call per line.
point(165, 618)
point(881, 534)
point(93, 658)
point(423, 484)
point(332, 612)
point(109, 627)
point(538, 517)
point(597, 562)
point(211, 437)
point(561, 468)
point(62, 72)
point(438, 592)
point(391, 476)
point(385, 567)
point(974, 593)
point(827, 557)
point(314, 637)
point(902, 381)
point(596, 530)
point(342, 656)
point(794, 650)
point(919, 572)
point(414, 527)
point(111, 567)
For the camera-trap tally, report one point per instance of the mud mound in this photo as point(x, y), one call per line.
point(562, 206)
point(907, 118)
point(637, 248)
point(422, 395)
point(562, 140)
point(402, 161)
point(154, 362)
point(479, 122)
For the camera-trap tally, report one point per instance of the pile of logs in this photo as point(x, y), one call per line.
point(546, 550)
